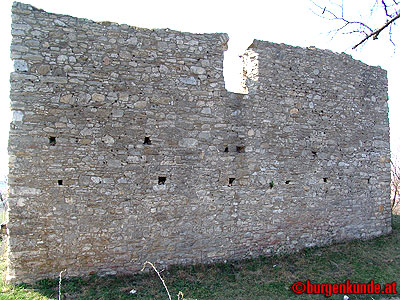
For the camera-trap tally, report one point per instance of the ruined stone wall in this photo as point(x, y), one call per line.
point(126, 147)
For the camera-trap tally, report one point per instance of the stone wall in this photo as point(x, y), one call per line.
point(126, 147)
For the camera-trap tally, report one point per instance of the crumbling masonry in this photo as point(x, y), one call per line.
point(125, 146)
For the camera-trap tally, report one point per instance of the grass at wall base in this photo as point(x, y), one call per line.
point(260, 278)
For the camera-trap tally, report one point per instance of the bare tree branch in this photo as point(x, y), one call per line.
point(335, 17)
point(395, 170)
point(390, 35)
point(337, 12)
point(375, 33)
point(386, 10)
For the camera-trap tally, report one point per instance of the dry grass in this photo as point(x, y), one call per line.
point(260, 278)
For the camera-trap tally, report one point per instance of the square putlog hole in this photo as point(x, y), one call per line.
point(147, 141)
point(162, 179)
point(52, 141)
point(240, 149)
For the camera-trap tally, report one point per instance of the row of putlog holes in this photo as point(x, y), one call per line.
point(163, 179)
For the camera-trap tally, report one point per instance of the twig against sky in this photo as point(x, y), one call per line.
point(336, 11)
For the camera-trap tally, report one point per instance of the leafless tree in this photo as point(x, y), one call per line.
point(383, 15)
point(395, 185)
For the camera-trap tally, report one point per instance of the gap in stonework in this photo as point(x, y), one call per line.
point(52, 141)
point(147, 141)
point(240, 149)
point(162, 180)
point(235, 79)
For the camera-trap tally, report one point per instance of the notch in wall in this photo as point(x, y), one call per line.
point(162, 180)
point(230, 181)
point(59, 182)
point(147, 141)
point(52, 141)
point(240, 64)
point(240, 149)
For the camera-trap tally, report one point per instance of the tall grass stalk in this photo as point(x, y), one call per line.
point(59, 285)
point(159, 276)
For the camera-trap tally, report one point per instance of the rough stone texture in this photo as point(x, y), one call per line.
point(126, 147)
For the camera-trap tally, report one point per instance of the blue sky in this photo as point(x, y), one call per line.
point(291, 22)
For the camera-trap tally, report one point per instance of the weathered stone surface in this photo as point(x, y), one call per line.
point(140, 104)
point(20, 65)
point(132, 41)
point(106, 61)
point(53, 79)
point(188, 80)
point(98, 97)
point(60, 23)
point(188, 142)
point(198, 70)
point(129, 148)
point(43, 69)
point(109, 140)
point(17, 116)
point(66, 98)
